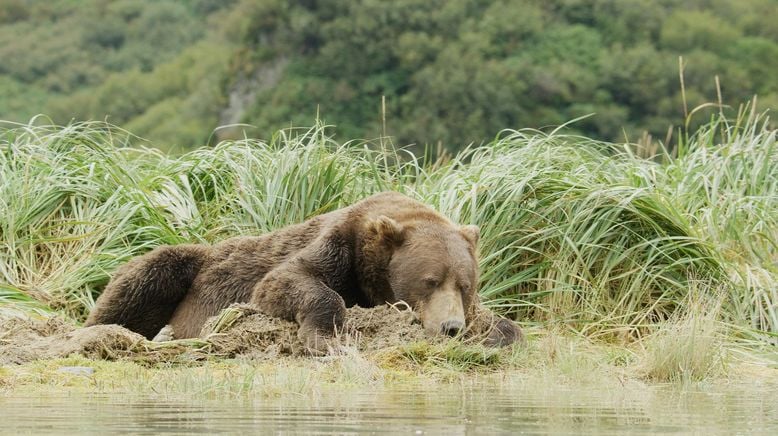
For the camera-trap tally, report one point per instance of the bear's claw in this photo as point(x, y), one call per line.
point(165, 334)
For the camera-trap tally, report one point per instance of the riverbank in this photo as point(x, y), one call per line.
point(226, 397)
point(571, 363)
point(687, 352)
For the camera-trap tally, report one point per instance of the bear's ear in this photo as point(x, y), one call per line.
point(387, 230)
point(471, 233)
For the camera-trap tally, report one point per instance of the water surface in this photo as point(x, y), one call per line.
point(491, 408)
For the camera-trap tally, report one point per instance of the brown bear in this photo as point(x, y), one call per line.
point(383, 249)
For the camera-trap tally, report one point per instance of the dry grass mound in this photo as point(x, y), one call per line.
point(238, 331)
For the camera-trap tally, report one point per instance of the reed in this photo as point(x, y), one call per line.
point(576, 233)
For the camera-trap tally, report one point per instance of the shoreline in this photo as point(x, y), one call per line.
point(547, 359)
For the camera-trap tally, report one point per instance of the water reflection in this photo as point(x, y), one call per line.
point(454, 409)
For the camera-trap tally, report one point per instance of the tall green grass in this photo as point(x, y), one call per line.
point(575, 232)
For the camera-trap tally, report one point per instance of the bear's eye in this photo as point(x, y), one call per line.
point(431, 282)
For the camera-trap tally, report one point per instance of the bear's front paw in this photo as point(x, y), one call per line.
point(504, 332)
point(317, 343)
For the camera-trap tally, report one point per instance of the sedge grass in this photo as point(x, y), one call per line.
point(577, 235)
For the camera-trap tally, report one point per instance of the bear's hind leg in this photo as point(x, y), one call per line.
point(145, 292)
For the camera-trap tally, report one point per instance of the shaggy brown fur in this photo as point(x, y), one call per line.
point(385, 248)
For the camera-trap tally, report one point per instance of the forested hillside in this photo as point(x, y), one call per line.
point(453, 72)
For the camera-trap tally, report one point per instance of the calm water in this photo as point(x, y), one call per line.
point(453, 410)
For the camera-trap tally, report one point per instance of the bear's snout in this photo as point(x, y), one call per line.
point(443, 313)
point(452, 327)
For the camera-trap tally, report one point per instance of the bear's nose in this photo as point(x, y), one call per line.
point(452, 327)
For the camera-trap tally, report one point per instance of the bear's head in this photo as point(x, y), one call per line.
point(433, 268)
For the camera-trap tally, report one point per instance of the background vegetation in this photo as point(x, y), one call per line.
point(453, 72)
point(577, 233)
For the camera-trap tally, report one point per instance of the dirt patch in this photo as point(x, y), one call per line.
point(242, 331)
point(239, 331)
point(23, 340)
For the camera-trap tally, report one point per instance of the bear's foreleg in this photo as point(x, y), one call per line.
point(146, 290)
point(290, 293)
point(302, 289)
point(490, 329)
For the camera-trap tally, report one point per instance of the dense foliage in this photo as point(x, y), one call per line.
point(453, 71)
point(574, 231)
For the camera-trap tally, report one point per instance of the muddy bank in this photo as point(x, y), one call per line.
point(238, 331)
